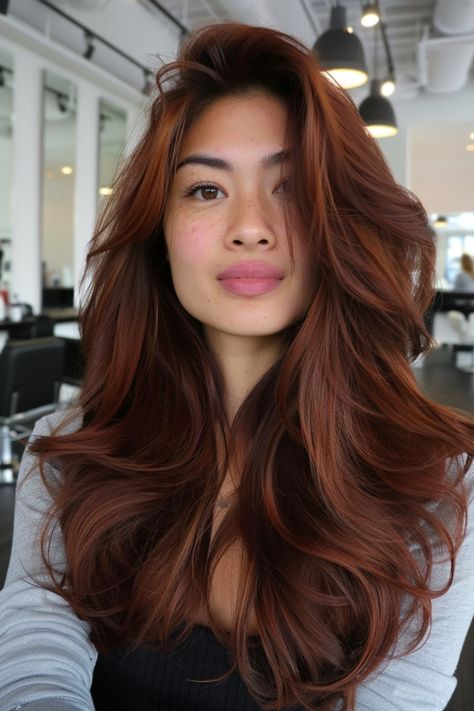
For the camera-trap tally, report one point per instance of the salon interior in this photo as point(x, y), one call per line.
point(75, 79)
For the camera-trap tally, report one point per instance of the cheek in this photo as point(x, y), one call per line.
point(190, 243)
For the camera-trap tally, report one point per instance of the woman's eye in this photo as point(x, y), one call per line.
point(206, 192)
point(284, 186)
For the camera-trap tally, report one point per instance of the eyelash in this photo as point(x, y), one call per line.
point(200, 186)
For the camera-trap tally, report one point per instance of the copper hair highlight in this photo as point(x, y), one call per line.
point(346, 465)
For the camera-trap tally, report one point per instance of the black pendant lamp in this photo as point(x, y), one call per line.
point(340, 52)
point(378, 113)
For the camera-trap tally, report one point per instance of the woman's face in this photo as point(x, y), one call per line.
point(225, 208)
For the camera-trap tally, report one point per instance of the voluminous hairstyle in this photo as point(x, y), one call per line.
point(346, 466)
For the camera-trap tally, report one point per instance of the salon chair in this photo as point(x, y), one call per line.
point(39, 326)
point(74, 363)
point(30, 377)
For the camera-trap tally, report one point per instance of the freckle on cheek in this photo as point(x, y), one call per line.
point(195, 243)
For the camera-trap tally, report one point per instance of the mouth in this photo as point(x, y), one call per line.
point(250, 286)
point(252, 269)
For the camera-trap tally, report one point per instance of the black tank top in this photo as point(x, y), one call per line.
point(145, 680)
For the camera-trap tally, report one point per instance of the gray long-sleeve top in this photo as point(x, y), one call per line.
point(47, 659)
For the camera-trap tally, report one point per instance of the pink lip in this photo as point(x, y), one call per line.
point(250, 287)
point(251, 270)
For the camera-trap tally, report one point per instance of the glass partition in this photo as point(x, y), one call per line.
point(6, 165)
point(112, 138)
point(59, 148)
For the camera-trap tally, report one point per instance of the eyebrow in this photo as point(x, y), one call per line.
point(212, 162)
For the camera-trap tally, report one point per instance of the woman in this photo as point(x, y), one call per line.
point(465, 279)
point(253, 506)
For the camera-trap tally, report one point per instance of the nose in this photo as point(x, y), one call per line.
point(252, 221)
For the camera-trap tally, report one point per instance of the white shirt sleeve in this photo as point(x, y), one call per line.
point(46, 657)
point(424, 679)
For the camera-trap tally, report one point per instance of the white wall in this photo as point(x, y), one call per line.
point(32, 54)
point(443, 180)
point(5, 186)
point(139, 30)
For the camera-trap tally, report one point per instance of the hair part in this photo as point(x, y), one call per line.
point(347, 468)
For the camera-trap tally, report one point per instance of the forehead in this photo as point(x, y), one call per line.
point(256, 119)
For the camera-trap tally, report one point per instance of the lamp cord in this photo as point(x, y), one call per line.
point(375, 54)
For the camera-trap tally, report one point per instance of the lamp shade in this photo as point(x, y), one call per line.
point(378, 113)
point(340, 52)
point(370, 14)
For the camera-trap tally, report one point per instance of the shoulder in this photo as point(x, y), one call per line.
point(60, 422)
point(463, 281)
point(30, 481)
point(467, 481)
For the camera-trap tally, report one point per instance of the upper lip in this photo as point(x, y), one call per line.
point(251, 270)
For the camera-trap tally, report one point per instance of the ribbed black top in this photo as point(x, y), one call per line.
point(145, 680)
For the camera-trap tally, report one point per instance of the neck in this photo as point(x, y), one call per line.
point(243, 361)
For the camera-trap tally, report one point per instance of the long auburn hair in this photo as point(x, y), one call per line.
point(347, 466)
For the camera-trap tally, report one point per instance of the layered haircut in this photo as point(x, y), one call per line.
point(350, 475)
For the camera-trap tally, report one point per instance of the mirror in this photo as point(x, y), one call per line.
point(112, 138)
point(59, 147)
point(6, 166)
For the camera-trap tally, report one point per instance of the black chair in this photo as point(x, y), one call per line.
point(43, 327)
point(32, 327)
point(30, 377)
point(74, 362)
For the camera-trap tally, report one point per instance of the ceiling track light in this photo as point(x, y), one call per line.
point(148, 85)
point(89, 39)
point(340, 52)
point(370, 14)
point(4, 71)
point(103, 118)
point(62, 102)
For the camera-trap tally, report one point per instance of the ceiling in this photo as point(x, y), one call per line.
point(413, 36)
point(407, 22)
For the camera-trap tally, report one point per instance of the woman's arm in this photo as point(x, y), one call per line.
point(424, 680)
point(46, 657)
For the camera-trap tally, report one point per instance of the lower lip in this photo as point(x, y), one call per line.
point(250, 287)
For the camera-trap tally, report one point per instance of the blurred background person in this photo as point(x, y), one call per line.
point(465, 279)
